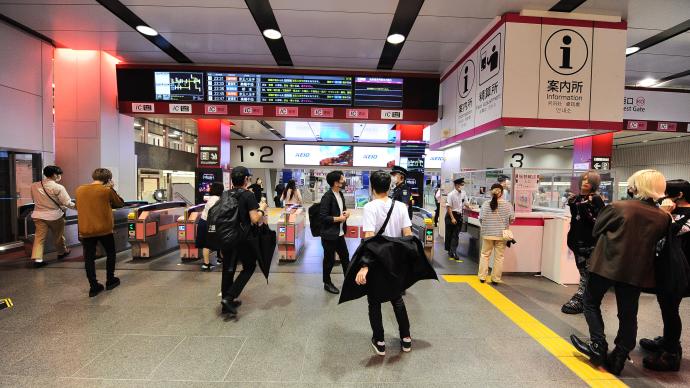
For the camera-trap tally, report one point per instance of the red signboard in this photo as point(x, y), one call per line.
point(322, 112)
point(665, 126)
point(356, 113)
point(636, 125)
point(216, 109)
point(251, 110)
point(287, 111)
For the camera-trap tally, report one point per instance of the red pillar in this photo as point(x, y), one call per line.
point(593, 152)
point(213, 156)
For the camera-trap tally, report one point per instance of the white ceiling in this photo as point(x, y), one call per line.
point(332, 33)
point(626, 139)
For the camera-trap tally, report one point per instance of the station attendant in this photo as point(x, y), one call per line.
point(455, 203)
point(401, 191)
point(50, 199)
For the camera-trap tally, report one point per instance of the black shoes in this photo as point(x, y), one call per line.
point(228, 307)
point(615, 362)
point(652, 345)
point(663, 361)
point(62, 256)
point(95, 290)
point(406, 346)
point(39, 264)
point(573, 306)
point(112, 283)
point(379, 347)
point(594, 350)
point(331, 288)
point(482, 280)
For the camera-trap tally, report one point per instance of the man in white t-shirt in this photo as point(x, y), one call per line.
point(399, 225)
point(455, 203)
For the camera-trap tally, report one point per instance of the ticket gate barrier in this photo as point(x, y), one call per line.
point(152, 229)
point(423, 228)
point(290, 236)
point(186, 232)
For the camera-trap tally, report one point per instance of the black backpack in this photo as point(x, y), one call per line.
point(315, 219)
point(224, 227)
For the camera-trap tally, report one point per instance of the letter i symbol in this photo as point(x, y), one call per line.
point(565, 63)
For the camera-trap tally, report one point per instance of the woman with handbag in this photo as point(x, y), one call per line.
point(584, 209)
point(495, 217)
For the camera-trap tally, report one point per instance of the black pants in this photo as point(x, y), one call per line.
point(376, 320)
point(437, 213)
point(89, 244)
point(330, 248)
point(581, 261)
point(452, 231)
point(230, 287)
point(670, 313)
point(627, 300)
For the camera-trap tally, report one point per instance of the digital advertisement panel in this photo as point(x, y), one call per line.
point(433, 159)
point(315, 155)
point(375, 157)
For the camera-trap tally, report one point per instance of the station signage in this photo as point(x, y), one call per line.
point(287, 111)
point(601, 163)
point(180, 108)
point(251, 110)
point(636, 125)
point(210, 109)
point(357, 113)
point(318, 155)
point(141, 107)
point(391, 114)
point(668, 109)
point(322, 112)
point(209, 155)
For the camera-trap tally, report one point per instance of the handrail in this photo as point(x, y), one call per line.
point(160, 206)
point(185, 199)
point(193, 209)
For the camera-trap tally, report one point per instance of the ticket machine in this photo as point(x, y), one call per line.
point(186, 232)
point(423, 228)
point(290, 236)
point(152, 229)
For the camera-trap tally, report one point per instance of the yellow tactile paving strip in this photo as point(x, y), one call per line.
point(557, 346)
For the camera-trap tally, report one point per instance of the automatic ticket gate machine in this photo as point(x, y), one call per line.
point(290, 236)
point(186, 232)
point(423, 228)
point(152, 229)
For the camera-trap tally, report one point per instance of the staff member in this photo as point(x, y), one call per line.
point(401, 191)
point(455, 202)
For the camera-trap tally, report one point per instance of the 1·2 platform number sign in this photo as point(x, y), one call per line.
point(256, 154)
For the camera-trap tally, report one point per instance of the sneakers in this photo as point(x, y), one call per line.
point(379, 347)
point(406, 344)
point(573, 306)
point(330, 287)
point(95, 290)
point(112, 283)
point(206, 267)
point(39, 264)
point(652, 345)
point(594, 350)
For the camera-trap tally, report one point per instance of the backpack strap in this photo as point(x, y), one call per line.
point(388, 217)
point(64, 214)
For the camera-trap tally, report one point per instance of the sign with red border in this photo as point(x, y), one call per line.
point(665, 126)
point(636, 125)
point(322, 112)
point(141, 107)
point(210, 109)
point(356, 113)
point(287, 111)
point(251, 110)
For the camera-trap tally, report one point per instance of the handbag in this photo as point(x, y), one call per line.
point(64, 213)
point(508, 235)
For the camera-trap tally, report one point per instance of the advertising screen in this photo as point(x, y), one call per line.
point(433, 159)
point(384, 157)
point(379, 91)
point(179, 86)
point(316, 155)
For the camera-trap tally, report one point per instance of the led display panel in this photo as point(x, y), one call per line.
point(317, 155)
point(379, 92)
point(179, 86)
point(232, 87)
point(384, 157)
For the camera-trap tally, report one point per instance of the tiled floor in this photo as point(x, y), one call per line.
point(162, 327)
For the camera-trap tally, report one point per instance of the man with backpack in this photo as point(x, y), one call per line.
point(229, 222)
point(333, 215)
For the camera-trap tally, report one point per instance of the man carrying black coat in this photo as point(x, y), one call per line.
point(333, 214)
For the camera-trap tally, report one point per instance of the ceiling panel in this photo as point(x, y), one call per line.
point(682, 82)
point(105, 40)
point(431, 50)
point(334, 47)
point(182, 3)
point(335, 62)
point(142, 56)
point(367, 6)
point(333, 24)
point(657, 63)
point(417, 65)
point(479, 9)
point(678, 45)
point(232, 59)
point(446, 29)
point(64, 17)
point(198, 19)
point(220, 44)
point(657, 15)
point(633, 77)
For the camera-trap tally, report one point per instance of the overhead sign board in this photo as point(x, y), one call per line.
point(318, 155)
point(385, 157)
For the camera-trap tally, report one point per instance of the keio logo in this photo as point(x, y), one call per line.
point(302, 154)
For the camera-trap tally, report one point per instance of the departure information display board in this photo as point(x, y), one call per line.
point(279, 88)
point(179, 86)
point(379, 92)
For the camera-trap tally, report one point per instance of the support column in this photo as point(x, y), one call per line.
point(213, 156)
point(593, 152)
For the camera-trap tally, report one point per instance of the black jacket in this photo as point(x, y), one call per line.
point(395, 264)
point(330, 230)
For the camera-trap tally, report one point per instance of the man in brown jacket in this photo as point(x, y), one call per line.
point(95, 202)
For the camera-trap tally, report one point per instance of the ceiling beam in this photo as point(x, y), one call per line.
point(405, 15)
point(662, 36)
point(673, 76)
point(28, 30)
point(566, 5)
point(265, 19)
point(131, 19)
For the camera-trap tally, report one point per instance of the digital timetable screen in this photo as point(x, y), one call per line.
point(179, 86)
point(233, 87)
point(379, 92)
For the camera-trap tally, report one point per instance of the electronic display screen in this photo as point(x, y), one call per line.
point(306, 89)
point(375, 156)
point(379, 92)
point(179, 86)
point(316, 155)
point(233, 87)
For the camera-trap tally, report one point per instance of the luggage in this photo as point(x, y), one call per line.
point(314, 219)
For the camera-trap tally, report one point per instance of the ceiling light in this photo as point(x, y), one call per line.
point(395, 38)
point(272, 34)
point(631, 50)
point(647, 82)
point(146, 30)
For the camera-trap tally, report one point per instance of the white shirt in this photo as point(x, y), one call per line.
point(209, 204)
point(340, 206)
point(44, 207)
point(456, 199)
point(375, 214)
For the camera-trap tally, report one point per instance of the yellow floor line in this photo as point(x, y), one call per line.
point(552, 342)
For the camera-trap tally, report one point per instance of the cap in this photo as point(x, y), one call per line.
point(459, 181)
point(398, 170)
point(241, 171)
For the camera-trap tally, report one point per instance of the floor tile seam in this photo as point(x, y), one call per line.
point(165, 358)
point(122, 336)
point(227, 372)
point(304, 358)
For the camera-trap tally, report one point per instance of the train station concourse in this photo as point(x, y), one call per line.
point(228, 193)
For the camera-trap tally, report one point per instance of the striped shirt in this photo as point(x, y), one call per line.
point(494, 222)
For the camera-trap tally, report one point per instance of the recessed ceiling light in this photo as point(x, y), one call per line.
point(648, 82)
point(272, 34)
point(395, 38)
point(631, 50)
point(146, 30)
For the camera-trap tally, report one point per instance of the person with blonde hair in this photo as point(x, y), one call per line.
point(495, 217)
point(627, 234)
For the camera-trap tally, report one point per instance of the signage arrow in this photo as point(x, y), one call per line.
point(214, 156)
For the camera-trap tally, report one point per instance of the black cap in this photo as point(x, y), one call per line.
point(459, 181)
point(398, 170)
point(241, 171)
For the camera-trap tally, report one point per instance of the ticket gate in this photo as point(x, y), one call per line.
point(152, 229)
point(290, 236)
point(186, 232)
point(423, 228)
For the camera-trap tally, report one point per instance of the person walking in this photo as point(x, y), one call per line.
point(258, 189)
point(333, 215)
point(627, 235)
point(455, 203)
point(666, 352)
point(50, 201)
point(280, 187)
point(291, 195)
point(438, 193)
point(495, 216)
point(584, 209)
point(249, 212)
point(95, 204)
point(214, 194)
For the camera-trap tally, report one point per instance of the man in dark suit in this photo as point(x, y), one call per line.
point(333, 214)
